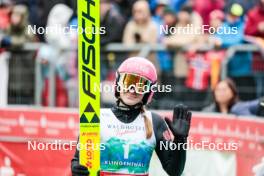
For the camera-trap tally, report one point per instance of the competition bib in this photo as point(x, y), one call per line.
point(124, 147)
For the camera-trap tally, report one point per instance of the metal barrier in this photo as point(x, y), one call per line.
point(143, 49)
point(230, 52)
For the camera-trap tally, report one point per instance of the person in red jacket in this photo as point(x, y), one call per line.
point(255, 21)
point(205, 7)
point(255, 29)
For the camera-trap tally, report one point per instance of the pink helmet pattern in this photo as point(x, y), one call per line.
point(142, 67)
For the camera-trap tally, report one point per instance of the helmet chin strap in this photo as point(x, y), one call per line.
point(122, 105)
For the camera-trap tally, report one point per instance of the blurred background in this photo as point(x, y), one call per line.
point(220, 76)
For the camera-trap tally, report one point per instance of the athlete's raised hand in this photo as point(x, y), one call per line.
point(181, 122)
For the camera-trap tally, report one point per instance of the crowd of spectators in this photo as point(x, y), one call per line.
point(183, 64)
point(131, 22)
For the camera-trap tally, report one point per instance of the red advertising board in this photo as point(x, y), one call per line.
point(23, 128)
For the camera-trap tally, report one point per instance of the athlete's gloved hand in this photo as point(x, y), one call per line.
point(79, 170)
point(181, 122)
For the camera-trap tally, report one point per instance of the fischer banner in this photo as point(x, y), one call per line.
point(89, 81)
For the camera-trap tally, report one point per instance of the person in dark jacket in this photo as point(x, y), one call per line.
point(112, 21)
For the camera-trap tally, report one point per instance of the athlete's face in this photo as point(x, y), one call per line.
point(131, 97)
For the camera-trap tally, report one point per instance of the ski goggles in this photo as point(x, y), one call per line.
point(139, 84)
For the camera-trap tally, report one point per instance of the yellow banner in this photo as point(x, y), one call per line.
point(89, 80)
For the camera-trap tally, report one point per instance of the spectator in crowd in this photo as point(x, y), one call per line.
point(72, 4)
point(233, 21)
point(40, 9)
point(58, 53)
point(21, 65)
point(165, 57)
point(246, 4)
point(141, 28)
point(213, 57)
point(175, 5)
point(5, 9)
point(255, 21)
point(187, 19)
point(125, 7)
point(178, 4)
point(72, 65)
point(231, 34)
point(182, 40)
point(35, 12)
point(216, 18)
point(249, 108)
point(225, 96)
point(112, 21)
point(226, 100)
point(255, 29)
point(206, 7)
point(169, 20)
point(17, 34)
point(140, 25)
point(159, 11)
